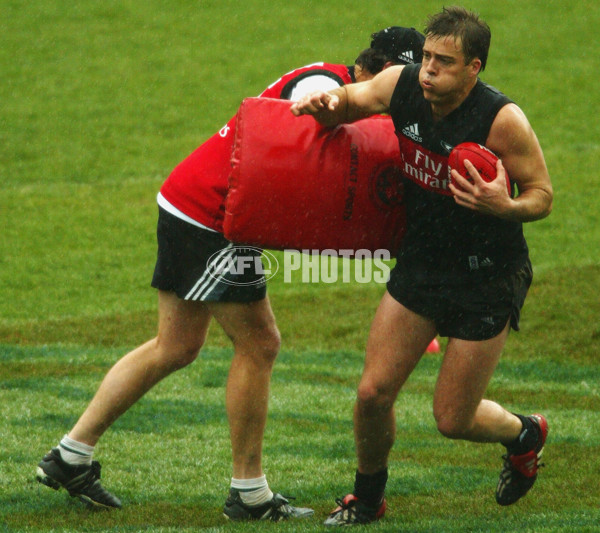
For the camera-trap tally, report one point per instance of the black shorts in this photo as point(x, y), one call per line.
point(202, 265)
point(477, 311)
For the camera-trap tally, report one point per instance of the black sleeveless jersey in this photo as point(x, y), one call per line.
point(445, 242)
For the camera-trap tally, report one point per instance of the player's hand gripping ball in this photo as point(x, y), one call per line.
point(483, 160)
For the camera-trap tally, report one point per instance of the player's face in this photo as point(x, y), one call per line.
point(444, 77)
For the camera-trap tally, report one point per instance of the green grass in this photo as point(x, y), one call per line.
point(100, 100)
point(168, 457)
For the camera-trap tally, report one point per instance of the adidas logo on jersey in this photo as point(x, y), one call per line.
point(413, 133)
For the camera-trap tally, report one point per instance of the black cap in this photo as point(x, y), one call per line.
point(400, 45)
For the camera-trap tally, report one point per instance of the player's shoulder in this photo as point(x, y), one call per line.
point(389, 75)
point(511, 117)
point(510, 130)
point(385, 82)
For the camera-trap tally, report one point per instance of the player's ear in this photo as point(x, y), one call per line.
point(475, 66)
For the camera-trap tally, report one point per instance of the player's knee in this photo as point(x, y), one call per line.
point(373, 399)
point(268, 341)
point(452, 425)
point(186, 355)
point(261, 343)
point(271, 343)
point(173, 358)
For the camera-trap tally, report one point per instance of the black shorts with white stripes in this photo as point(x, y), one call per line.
point(202, 265)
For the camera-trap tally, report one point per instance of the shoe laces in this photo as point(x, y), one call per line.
point(280, 507)
point(342, 503)
point(518, 466)
point(92, 475)
point(348, 511)
point(95, 470)
point(85, 480)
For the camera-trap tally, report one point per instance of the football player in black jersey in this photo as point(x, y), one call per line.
point(463, 268)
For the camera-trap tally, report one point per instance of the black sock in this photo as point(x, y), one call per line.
point(369, 489)
point(527, 439)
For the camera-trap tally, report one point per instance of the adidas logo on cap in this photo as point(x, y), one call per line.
point(407, 56)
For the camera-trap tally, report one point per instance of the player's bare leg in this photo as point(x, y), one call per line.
point(458, 406)
point(252, 329)
point(181, 332)
point(182, 329)
point(397, 340)
point(461, 412)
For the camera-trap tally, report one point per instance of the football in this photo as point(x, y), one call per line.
point(483, 160)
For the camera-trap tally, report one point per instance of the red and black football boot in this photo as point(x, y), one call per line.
point(351, 511)
point(520, 471)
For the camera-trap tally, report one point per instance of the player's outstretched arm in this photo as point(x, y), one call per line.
point(350, 102)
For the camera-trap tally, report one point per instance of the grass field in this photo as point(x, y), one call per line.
point(100, 100)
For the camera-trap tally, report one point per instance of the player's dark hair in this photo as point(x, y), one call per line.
point(371, 60)
point(474, 33)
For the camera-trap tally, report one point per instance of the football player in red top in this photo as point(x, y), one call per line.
point(194, 285)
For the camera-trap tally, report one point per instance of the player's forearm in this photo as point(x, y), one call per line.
point(356, 103)
point(530, 205)
point(331, 108)
point(339, 114)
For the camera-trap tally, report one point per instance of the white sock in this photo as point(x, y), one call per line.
point(253, 491)
point(74, 452)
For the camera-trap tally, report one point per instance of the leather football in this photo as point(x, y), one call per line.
point(483, 159)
